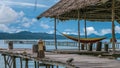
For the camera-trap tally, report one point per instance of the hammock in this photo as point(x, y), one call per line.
point(84, 40)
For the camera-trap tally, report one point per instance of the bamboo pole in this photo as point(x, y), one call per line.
point(113, 26)
point(55, 33)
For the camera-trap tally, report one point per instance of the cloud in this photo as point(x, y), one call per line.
point(117, 29)
point(91, 30)
point(21, 4)
point(7, 14)
point(44, 25)
point(51, 32)
point(26, 22)
point(105, 31)
point(5, 28)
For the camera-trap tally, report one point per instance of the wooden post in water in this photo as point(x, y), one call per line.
point(99, 46)
point(21, 62)
point(52, 66)
point(41, 53)
point(5, 63)
point(38, 64)
point(82, 46)
point(90, 46)
point(14, 61)
point(35, 64)
point(10, 45)
point(26, 63)
point(106, 47)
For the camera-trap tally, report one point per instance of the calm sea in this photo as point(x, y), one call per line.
point(31, 64)
point(48, 47)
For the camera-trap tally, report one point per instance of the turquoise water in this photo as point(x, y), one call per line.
point(31, 63)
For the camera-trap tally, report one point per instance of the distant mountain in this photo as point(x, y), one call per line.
point(30, 35)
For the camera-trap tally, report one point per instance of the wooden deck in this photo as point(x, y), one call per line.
point(80, 61)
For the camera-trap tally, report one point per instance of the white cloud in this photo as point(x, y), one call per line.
point(75, 33)
point(26, 22)
point(5, 28)
point(21, 4)
point(7, 14)
point(105, 31)
point(117, 29)
point(44, 25)
point(91, 30)
point(51, 32)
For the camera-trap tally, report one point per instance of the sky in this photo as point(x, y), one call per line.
point(20, 15)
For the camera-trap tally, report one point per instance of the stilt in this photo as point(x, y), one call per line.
point(106, 47)
point(21, 63)
point(52, 66)
point(35, 64)
point(57, 66)
point(38, 64)
point(5, 61)
point(90, 46)
point(48, 66)
point(82, 46)
point(55, 33)
point(26, 64)
point(99, 46)
point(14, 62)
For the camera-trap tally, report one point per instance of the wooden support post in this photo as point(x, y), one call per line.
point(48, 66)
point(38, 64)
point(14, 62)
point(82, 46)
point(21, 62)
point(5, 61)
point(52, 66)
point(90, 46)
point(78, 33)
point(35, 64)
point(106, 47)
point(99, 46)
point(55, 33)
point(113, 25)
point(41, 53)
point(26, 64)
point(57, 66)
point(10, 45)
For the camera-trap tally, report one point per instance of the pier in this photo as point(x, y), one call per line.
point(80, 61)
point(56, 58)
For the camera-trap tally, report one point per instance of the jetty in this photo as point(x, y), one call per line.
point(57, 59)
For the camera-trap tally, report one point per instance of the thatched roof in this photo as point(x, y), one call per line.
point(97, 10)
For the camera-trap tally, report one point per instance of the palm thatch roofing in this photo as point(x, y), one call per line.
point(94, 10)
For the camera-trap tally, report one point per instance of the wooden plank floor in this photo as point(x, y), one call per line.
point(80, 61)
